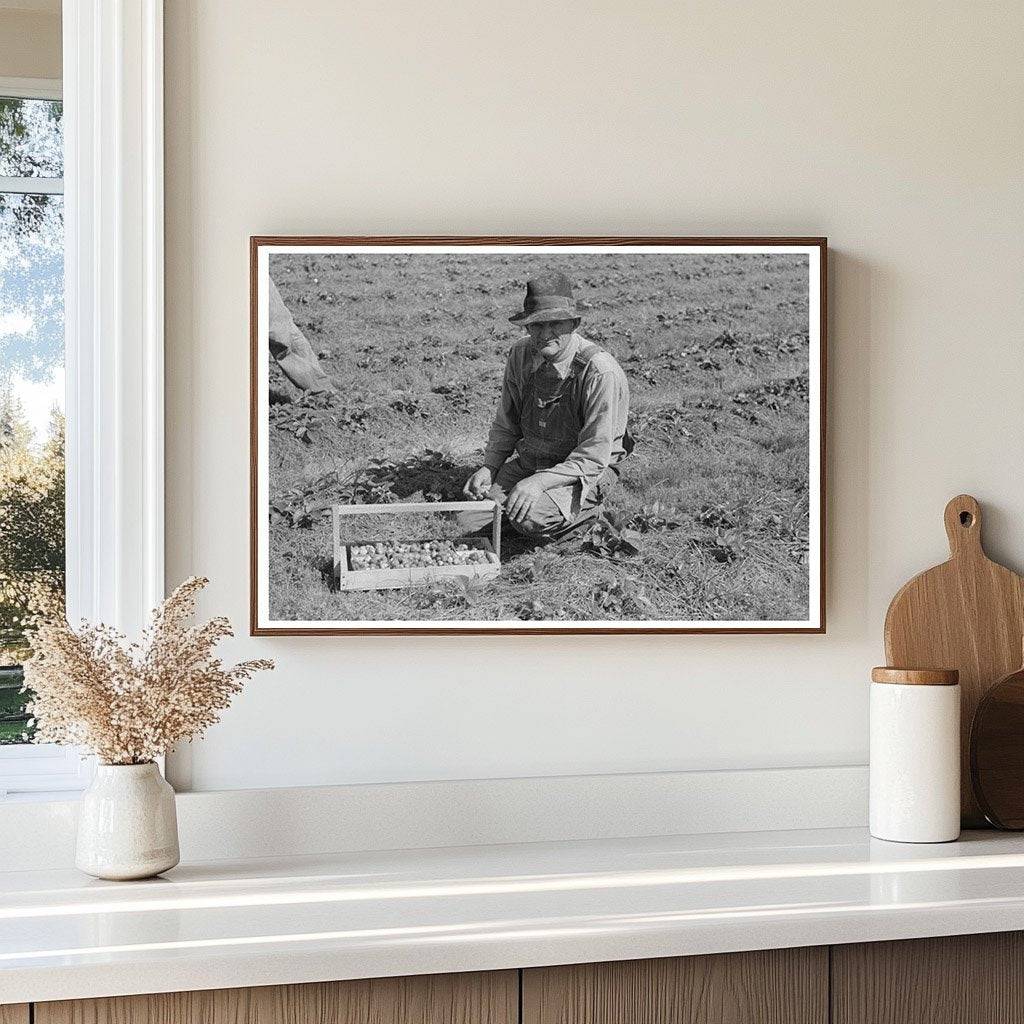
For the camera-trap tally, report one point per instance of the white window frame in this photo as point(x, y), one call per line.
point(114, 324)
point(32, 88)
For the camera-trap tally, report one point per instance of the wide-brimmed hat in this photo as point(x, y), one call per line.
point(547, 298)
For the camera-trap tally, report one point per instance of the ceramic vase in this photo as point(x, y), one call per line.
point(127, 825)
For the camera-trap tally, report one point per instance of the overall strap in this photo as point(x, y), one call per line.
point(586, 353)
point(583, 358)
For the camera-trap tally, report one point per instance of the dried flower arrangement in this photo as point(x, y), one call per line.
point(131, 703)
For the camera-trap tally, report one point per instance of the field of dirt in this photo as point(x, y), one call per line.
point(710, 518)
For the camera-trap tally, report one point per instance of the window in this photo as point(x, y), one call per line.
point(108, 206)
point(32, 514)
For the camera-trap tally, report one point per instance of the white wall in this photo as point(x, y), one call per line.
point(895, 129)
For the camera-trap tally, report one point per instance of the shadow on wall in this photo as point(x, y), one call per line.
point(854, 288)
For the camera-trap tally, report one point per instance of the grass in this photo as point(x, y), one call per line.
point(715, 496)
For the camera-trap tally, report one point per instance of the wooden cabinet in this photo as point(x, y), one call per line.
point(490, 998)
point(962, 979)
point(970, 979)
point(777, 986)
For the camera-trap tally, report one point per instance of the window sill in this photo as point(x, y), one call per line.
point(43, 771)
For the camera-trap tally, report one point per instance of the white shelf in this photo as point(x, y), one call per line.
point(351, 915)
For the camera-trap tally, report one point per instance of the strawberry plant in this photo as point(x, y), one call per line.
point(610, 538)
point(621, 599)
point(653, 518)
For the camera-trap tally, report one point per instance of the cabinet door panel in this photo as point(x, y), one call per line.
point(960, 979)
point(481, 998)
point(778, 986)
point(14, 1013)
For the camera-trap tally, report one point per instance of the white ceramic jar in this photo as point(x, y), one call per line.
point(915, 755)
point(127, 824)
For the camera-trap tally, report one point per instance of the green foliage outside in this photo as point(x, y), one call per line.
point(31, 548)
point(31, 350)
point(13, 726)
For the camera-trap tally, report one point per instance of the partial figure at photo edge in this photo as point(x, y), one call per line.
point(291, 349)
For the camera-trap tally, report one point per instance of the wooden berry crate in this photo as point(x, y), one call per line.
point(407, 576)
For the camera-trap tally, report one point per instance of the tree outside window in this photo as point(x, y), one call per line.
point(31, 387)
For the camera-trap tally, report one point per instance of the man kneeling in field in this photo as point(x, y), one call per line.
point(560, 429)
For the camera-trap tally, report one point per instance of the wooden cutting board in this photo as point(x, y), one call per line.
point(967, 614)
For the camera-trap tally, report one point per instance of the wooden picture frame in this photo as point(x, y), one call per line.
point(261, 248)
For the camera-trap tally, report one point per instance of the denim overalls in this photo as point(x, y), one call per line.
point(549, 414)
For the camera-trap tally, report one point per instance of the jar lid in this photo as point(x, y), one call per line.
point(916, 676)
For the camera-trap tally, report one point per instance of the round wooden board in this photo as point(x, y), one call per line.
point(997, 752)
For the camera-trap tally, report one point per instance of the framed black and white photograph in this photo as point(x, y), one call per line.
point(537, 435)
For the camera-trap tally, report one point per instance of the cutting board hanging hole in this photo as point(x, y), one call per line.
point(963, 525)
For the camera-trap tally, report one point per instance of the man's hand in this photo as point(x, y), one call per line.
point(479, 483)
point(523, 497)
